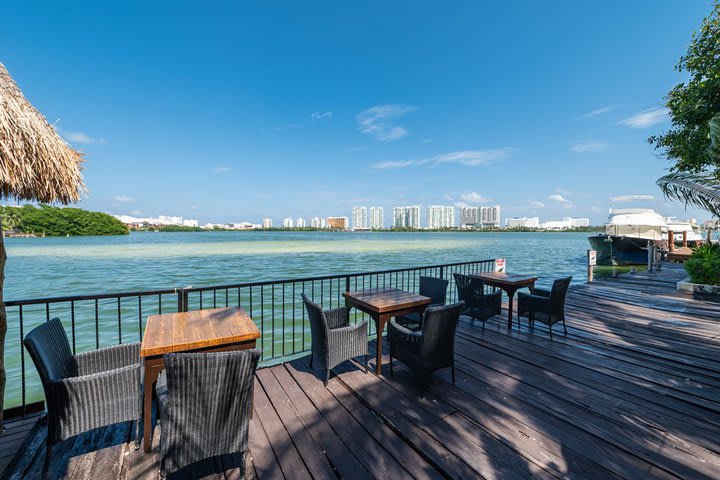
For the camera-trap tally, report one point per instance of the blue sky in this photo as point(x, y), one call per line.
point(235, 112)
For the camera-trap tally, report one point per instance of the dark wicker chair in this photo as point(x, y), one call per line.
point(334, 340)
point(205, 402)
point(479, 304)
point(84, 391)
point(436, 289)
point(547, 306)
point(430, 349)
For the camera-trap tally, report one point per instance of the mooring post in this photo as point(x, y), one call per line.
point(591, 261)
point(685, 239)
point(671, 240)
point(651, 256)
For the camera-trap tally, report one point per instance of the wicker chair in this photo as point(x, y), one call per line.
point(436, 289)
point(84, 391)
point(478, 304)
point(430, 349)
point(334, 340)
point(205, 402)
point(547, 306)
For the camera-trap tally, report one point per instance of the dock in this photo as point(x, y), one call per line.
point(632, 391)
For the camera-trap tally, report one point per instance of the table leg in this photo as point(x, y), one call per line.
point(153, 367)
point(511, 295)
point(379, 326)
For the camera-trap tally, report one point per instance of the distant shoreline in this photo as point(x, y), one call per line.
point(178, 229)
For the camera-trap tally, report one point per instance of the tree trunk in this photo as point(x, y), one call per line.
point(3, 325)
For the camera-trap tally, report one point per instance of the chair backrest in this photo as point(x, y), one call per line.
point(209, 399)
point(49, 349)
point(435, 288)
point(470, 290)
point(318, 324)
point(438, 329)
point(559, 292)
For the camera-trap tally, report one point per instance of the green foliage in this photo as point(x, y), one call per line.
point(693, 104)
point(179, 228)
point(55, 221)
point(703, 266)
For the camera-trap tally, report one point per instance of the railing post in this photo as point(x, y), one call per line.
point(442, 272)
point(347, 284)
point(180, 301)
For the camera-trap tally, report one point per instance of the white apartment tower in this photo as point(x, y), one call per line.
point(267, 223)
point(300, 223)
point(406, 217)
point(377, 219)
point(440, 216)
point(288, 223)
point(359, 218)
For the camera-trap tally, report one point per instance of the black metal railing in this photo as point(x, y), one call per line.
point(95, 321)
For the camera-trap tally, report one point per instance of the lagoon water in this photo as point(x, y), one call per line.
point(52, 267)
point(46, 267)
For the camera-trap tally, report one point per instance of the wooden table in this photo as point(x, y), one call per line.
point(215, 330)
point(509, 282)
point(383, 304)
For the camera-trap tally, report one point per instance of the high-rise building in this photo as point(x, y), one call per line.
point(300, 223)
point(470, 217)
point(440, 216)
point(317, 222)
point(359, 218)
point(377, 219)
point(267, 223)
point(490, 216)
point(406, 217)
point(340, 223)
point(288, 223)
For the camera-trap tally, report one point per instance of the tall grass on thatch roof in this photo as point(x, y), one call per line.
point(35, 162)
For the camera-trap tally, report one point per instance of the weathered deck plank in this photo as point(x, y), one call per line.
point(632, 391)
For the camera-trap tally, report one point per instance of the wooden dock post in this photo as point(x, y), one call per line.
point(671, 240)
point(685, 239)
point(591, 262)
point(651, 256)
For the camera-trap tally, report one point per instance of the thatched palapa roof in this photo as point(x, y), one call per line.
point(36, 164)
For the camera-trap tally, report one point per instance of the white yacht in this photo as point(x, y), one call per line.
point(692, 232)
point(633, 221)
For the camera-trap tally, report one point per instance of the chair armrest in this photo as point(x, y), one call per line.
point(109, 358)
point(337, 317)
point(403, 338)
point(82, 393)
point(357, 329)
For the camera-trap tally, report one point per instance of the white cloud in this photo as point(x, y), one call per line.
point(379, 121)
point(647, 118)
point(321, 115)
point(474, 197)
point(221, 169)
point(124, 199)
point(558, 198)
point(536, 203)
point(599, 111)
point(81, 138)
point(587, 147)
point(472, 158)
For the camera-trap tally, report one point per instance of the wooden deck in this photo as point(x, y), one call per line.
point(631, 392)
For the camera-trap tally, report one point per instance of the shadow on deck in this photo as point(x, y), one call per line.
point(631, 392)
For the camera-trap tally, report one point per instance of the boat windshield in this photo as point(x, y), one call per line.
point(633, 204)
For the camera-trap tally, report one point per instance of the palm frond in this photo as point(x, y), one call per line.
point(714, 148)
point(699, 189)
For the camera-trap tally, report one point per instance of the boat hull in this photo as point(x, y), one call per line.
point(620, 250)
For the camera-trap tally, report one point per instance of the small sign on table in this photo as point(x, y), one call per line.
point(500, 265)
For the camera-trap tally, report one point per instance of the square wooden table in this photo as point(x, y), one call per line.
point(510, 283)
point(215, 330)
point(383, 304)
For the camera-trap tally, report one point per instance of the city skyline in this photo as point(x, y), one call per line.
point(443, 113)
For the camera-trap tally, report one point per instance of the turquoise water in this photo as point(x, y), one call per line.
point(51, 267)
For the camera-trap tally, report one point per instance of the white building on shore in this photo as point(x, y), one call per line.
point(565, 223)
point(288, 223)
point(300, 223)
point(267, 223)
point(522, 222)
point(160, 220)
point(359, 218)
point(440, 216)
point(406, 217)
point(317, 222)
point(377, 219)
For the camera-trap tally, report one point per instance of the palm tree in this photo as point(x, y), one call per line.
point(701, 189)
